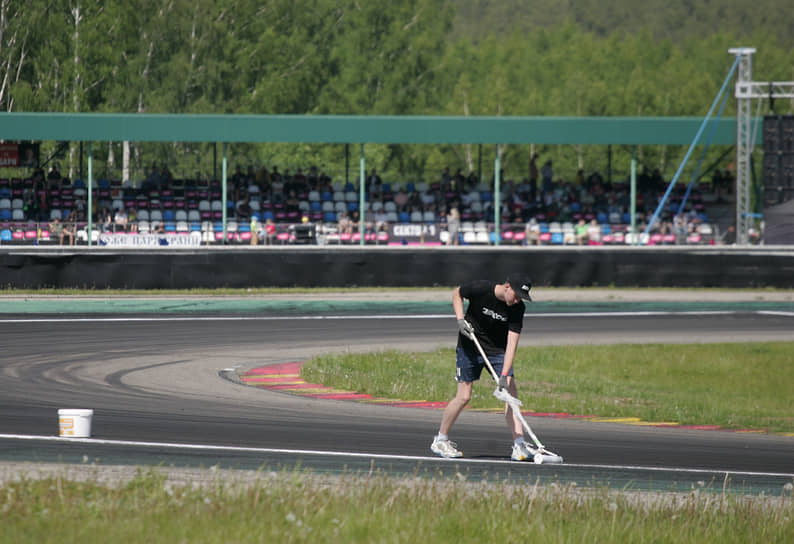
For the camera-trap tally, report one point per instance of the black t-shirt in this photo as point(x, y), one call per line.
point(490, 317)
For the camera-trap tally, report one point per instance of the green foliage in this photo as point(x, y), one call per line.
point(461, 57)
point(733, 385)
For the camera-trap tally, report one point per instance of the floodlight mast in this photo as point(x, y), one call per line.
point(746, 91)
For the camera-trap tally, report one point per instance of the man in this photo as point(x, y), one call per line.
point(495, 315)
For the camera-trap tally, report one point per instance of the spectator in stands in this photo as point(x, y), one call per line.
point(729, 237)
point(270, 231)
point(581, 232)
point(60, 230)
point(532, 232)
point(244, 208)
point(54, 177)
point(153, 180)
point(105, 219)
point(547, 178)
point(120, 220)
point(344, 225)
point(381, 221)
point(453, 226)
point(401, 200)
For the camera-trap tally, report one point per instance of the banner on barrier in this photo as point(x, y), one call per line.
point(150, 240)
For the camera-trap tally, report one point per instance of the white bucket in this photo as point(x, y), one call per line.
point(75, 423)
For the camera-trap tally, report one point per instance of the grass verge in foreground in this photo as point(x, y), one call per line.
point(292, 507)
point(731, 385)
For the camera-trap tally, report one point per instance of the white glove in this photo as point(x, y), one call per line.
point(465, 328)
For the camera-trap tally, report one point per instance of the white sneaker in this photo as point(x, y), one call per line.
point(521, 452)
point(445, 448)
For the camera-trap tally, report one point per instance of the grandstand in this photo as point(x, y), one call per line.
point(194, 209)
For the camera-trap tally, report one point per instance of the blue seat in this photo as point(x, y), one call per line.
point(352, 206)
point(267, 214)
point(5, 235)
point(544, 227)
point(316, 206)
point(486, 196)
point(5, 214)
point(168, 215)
point(602, 218)
point(404, 217)
point(195, 227)
point(217, 227)
point(626, 217)
point(170, 227)
point(576, 207)
point(556, 238)
point(606, 229)
point(329, 217)
point(326, 196)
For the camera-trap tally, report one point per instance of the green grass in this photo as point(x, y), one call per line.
point(292, 507)
point(731, 385)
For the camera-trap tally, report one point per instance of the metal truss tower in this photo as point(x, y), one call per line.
point(746, 91)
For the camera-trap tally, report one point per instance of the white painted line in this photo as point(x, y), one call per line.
point(209, 447)
point(346, 317)
point(775, 312)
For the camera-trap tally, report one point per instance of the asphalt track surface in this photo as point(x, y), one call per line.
point(156, 383)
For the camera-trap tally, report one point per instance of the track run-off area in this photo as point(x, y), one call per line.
point(163, 376)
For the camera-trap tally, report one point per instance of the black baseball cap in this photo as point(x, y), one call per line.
point(521, 284)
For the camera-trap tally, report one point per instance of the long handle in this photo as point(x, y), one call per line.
point(514, 403)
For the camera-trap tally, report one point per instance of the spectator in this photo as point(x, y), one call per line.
point(401, 200)
point(381, 221)
point(344, 225)
point(120, 220)
point(533, 232)
point(453, 226)
point(244, 209)
point(270, 231)
point(153, 180)
point(59, 230)
point(547, 174)
point(581, 232)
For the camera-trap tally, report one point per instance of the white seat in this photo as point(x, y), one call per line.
point(255, 205)
point(339, 196)
point(193, 215)
point(55, 214)
point(340, 206)
point(18, 215)
point(480, 226)
point(180, 215)
point(204, 205)
point(143, 214)
point(469, 237)
point(5, 204)
point(328, 206)
point(304, 206)
point(117, 204)
point(231, 226)
point(416, 217)
point(216, 205)
point(143, 227)
point(351, 196)
point(429, 217)
point(391, 217)
point(467, 226)
point(17, 204)
point(476, 206)
point(376, 206)
point(314, 196)
point(481, 237)
point(555, 226)
point(389, 206)
point(156, 215)
point(181, 226)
